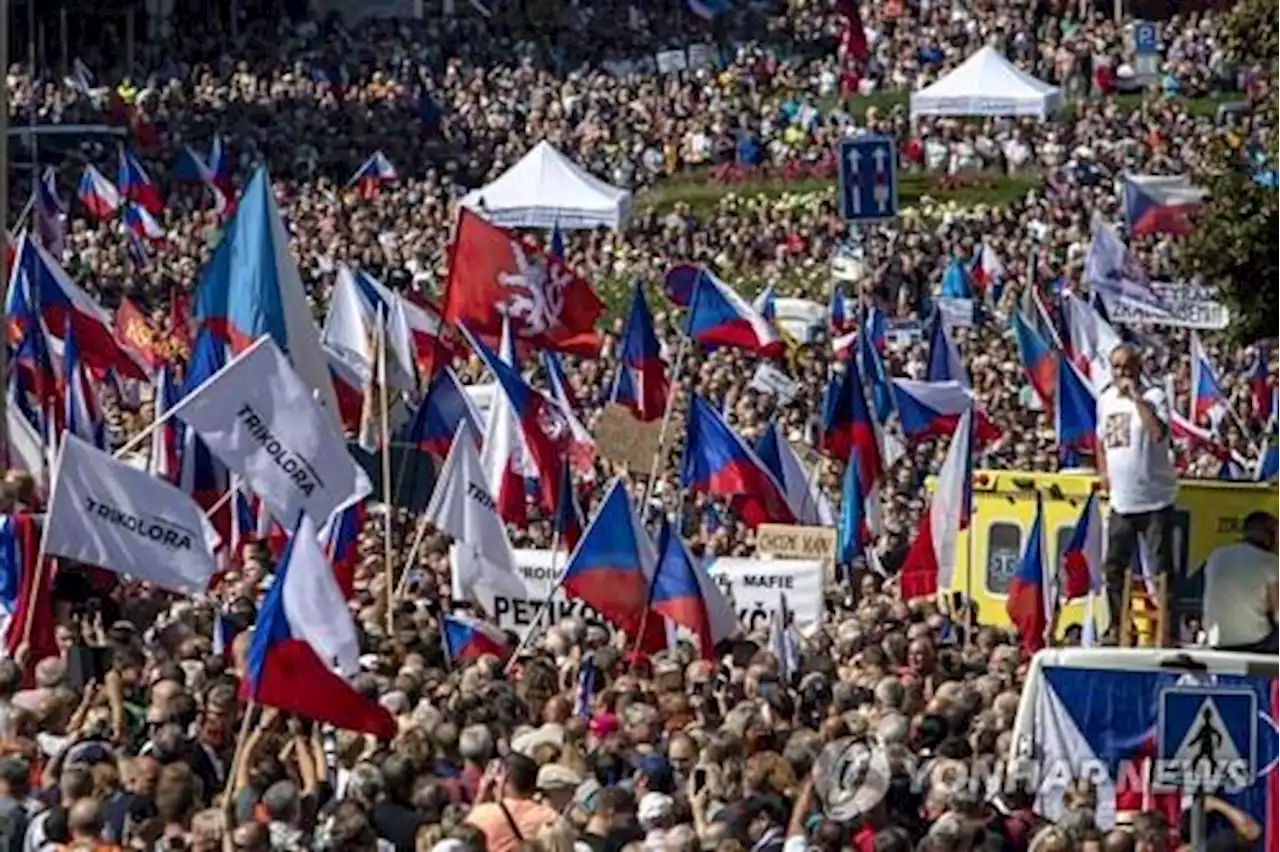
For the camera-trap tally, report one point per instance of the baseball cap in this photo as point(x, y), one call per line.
point(553, 776)
point(657, 769)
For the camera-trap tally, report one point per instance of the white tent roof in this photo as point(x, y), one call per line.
point(546, 190)
point(987, 84)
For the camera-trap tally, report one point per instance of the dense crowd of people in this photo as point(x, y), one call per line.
point(671, 752)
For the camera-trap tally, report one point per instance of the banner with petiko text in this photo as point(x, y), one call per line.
point(755, 587)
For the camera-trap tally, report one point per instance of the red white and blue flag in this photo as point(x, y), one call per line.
point(718, 316)
point(1156, 204)
point(136, 185)
point(1209, 403)
point(467, 638)
point(641, 382)
point(1030, 604)
point(374, 172)
point(81, 410)
point(305, 645)
point(717, 461)
point(687, 596)
point(98, 195)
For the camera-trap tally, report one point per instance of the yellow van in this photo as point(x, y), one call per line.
point(1209, 514)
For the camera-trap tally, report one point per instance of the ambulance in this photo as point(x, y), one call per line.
point(1208, 514)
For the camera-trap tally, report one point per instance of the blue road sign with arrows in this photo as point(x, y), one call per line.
point(1208, 738)
point(868, 179)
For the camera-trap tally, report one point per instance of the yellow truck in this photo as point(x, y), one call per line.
point(1209, 514)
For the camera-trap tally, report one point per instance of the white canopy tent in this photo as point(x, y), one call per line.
point(545, 190)
point(987, 84)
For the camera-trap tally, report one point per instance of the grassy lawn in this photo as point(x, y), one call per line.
point(702, 196)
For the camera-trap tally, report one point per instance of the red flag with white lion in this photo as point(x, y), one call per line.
point(494, 273)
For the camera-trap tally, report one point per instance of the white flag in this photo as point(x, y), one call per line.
point(107, 512)
point(462, 507)
point(261, 420)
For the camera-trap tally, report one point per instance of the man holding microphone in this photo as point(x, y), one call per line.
point(1135, 464)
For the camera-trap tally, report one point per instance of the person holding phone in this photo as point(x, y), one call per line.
point(507, 809)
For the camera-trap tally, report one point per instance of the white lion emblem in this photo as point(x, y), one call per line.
point(551, 421)
point(536, 299)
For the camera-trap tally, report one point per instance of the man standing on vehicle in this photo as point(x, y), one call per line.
point(1134, 462)
point(1240, 589)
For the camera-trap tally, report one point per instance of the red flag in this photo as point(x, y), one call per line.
point(135, 333)
point(493, 272)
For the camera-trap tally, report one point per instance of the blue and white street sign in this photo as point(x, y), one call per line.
point(1208, 738)
point(1145, 42)
point(868, 179)
point(1146, 49)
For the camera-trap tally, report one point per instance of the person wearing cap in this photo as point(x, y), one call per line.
point(557, 784)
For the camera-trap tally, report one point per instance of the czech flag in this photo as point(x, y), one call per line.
point(932, 410)
point(49, 212)
point(166, 441)
point(1209, 404)
point(142, 223)
point(98, 195)
point(944, 360)
point(190, 167)
point(581, 447)
point(1082, 560)
point(718, 316)
point(1037, 360)
point(445, 408)
point(251, 287)
point(809, 505)
point(467, 638)
point(568, 521)
point(203, 476)
point(611, 569)
point(374, 172)
point(717, 461)
point(1075, 415)
point(542, 427)
point(1160, 204)
point(305, 645)
point(26, 593)
point(59, 302)
point(930, 564)
point(766, 304)
point(136, 185)
point(987, 273)
point(686, 595)
point(871, 364)
point(341, 544)
point(1030, 602)
point(641, 383)
point(81, 412)
point(847, 423)
point(425, 344)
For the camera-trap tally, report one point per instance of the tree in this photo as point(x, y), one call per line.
point(1234, 246)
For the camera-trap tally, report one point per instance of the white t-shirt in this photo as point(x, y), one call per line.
point(1139, 468)
point(1236, 577)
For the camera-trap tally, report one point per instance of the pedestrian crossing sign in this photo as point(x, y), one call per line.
point(1208, 739)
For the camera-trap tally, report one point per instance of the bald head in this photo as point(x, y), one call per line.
point(84, 820)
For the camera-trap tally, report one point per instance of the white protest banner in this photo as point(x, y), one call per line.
point(755, 588)
point(903, 333)
point(106, 512)
point(1186, 306)
point(462, 507)
point(956, 313)
point(671, 61)
point(702, 56)
point(769, 379)
point(261, 420)
point(519, 612)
